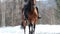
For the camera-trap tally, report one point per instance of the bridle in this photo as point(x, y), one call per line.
point(33, 5)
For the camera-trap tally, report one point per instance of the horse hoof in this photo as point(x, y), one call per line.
point(31, 32)
point(22, 27)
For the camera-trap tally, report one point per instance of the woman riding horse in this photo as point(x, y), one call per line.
point(25, 10)
point(30, 13)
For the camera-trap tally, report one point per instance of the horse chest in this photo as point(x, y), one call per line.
point(32, 13)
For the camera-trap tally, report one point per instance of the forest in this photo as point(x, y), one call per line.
point(10, 12)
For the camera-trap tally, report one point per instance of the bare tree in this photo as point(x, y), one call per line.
point(3, 14)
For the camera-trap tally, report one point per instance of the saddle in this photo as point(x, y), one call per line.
point(26, 11)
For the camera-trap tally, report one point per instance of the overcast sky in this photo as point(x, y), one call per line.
point(36, 0)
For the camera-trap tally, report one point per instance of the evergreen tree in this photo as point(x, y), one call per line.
point(58, 9)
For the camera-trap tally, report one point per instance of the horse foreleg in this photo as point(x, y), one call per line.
point(29, 28)
point(25, 27)
point(24, 30)
point(33, 28)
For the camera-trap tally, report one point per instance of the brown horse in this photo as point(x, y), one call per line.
point(32, 14)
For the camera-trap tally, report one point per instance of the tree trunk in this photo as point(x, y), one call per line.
point(3, 14)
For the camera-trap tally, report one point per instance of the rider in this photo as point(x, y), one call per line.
point(25, 10)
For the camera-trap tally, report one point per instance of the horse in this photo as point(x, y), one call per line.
point(32, 16)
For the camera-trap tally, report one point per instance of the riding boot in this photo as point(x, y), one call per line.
point(24, 17)
point(39, 17)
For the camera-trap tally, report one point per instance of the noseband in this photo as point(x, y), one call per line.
point(33, 5)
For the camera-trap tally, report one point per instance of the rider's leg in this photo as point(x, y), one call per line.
point(25, 12)
point(39, 17)
point(23, 23)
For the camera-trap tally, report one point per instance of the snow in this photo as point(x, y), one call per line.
point(40, 29)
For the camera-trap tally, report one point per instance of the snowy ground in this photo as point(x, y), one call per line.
point(40, 29)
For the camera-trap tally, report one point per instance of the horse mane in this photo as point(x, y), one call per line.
point(29, 6)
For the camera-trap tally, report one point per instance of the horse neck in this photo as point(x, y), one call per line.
point(31, 5)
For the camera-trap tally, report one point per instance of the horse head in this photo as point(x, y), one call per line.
point(33, 2)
